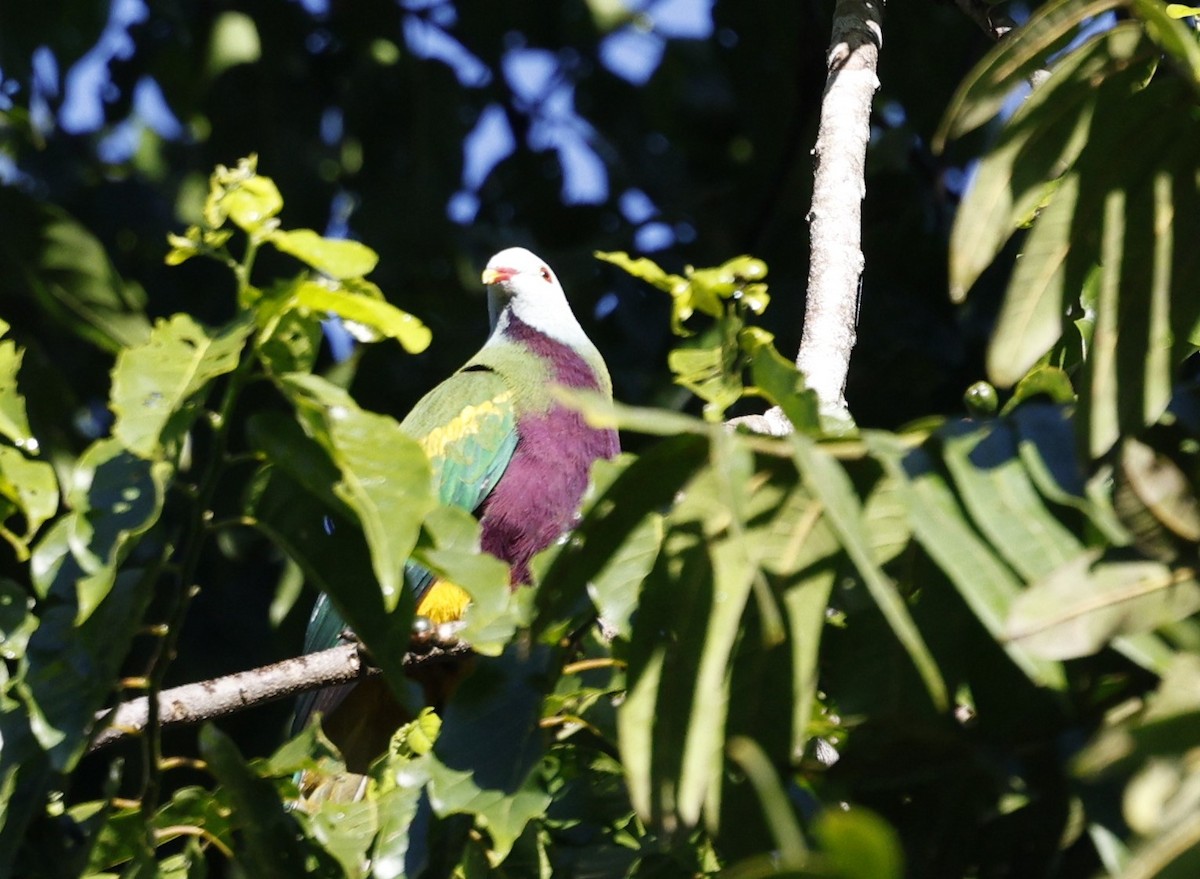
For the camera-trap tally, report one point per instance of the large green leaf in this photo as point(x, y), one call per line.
point(384, 475)
point(158, 387)
point(1091, 600)
point(293, 503)
point(832, 487)
point(987, 585)
point(1002, 501)
point(500, 703)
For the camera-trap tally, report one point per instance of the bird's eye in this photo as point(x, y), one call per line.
point(546, 276)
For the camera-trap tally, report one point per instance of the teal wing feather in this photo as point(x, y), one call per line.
point(468, 427)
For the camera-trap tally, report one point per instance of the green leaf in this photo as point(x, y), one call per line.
point(33, 488)
point(983, 93)
point(17, 621)
point(624, 508)
point(1173, 36)
point(777, 808)
point(779, 380)
point(385, 476)
point(830, 484)
point(250, 200)
point(115, 498)
point(1002, 500)
point(985, 583)
point(375, 314)
point(859, 844)
point(70, 667)
point(337, 257)
point(14, 423)
point(271, 846)
point(450, 548)
point(1143, 310)
point(711, 373)
point(500, 702)
point(293, 503)
point(51, 258)
point(1083, 605)
point(158, 387)
point(1038, 144)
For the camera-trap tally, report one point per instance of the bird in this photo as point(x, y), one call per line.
point(500, 444)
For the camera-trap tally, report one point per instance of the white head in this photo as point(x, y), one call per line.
point(519, 282)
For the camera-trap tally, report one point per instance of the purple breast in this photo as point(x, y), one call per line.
point(537, 498)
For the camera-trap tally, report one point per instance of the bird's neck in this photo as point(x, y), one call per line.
point(573, 364)
point(550, 315)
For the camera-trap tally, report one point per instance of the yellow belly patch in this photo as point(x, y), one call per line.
point(445, 602)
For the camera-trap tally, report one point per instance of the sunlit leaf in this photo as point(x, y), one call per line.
point(983, 93)
point(335, 257)
point(32, 486)
point(1083, 605)
point(158, 387)
point(830, 484)
point(986, 584)
point(1002, 501)
point(376, 314)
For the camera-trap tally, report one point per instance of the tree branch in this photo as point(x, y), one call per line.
point(206, 700)
point(839, 184)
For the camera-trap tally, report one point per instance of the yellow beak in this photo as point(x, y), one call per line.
point(494, 276)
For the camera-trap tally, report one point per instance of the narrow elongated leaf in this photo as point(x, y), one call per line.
point(776, 806)
point(1085, 604)
point(986, 584)
point(983, 93)
point(1002, 501)
point(1030, 319)
point(830, 484)
point(1039, 144)
point(158, 386)
point(385, 476)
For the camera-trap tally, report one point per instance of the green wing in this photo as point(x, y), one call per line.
point(468, 427)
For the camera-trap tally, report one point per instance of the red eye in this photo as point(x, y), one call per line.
point(546, 276)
